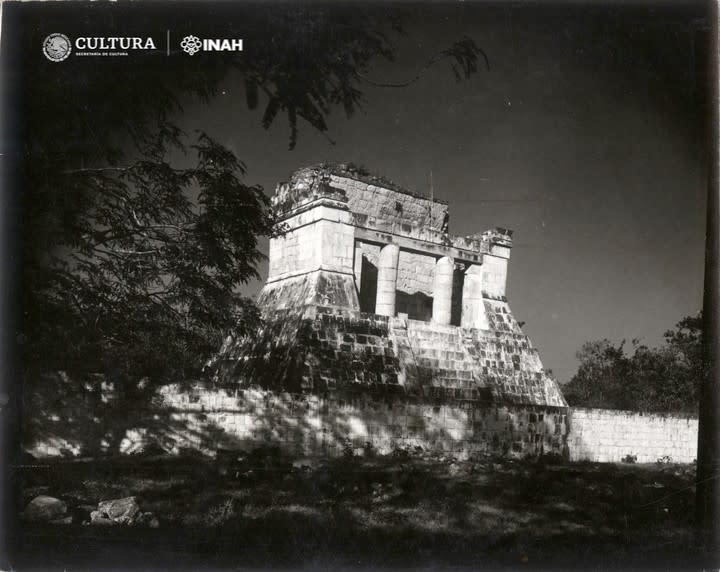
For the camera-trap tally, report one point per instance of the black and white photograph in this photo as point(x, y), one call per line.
point(359, 285)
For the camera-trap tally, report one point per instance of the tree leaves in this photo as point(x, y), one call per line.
point(147, 282)
point(664, 379)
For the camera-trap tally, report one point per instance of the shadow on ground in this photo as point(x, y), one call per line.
point(401, 510)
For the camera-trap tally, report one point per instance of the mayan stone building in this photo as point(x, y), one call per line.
point(382, 332)
point(369, 297)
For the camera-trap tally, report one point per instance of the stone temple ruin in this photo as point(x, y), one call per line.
point(382, 332)
point(369, 295)
point(367, 290)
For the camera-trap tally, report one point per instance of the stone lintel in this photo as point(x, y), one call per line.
point(417, 245)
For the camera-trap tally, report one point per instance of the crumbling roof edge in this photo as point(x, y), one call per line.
point(350, 171)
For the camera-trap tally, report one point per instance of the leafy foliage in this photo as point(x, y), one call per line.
point(149, 280)
point(664, 379)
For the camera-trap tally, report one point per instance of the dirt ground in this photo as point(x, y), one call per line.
point(403, 510)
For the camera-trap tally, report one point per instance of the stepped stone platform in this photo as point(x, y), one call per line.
point(368, 292)
point(320, 349)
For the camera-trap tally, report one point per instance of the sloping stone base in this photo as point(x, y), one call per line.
point(320, 348)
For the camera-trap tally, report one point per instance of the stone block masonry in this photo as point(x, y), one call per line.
point(349, 243)
point(334, 221)
point(328, 424)
point(94, 419)
point(319, 348)
point(206, 418)
point(611, 436)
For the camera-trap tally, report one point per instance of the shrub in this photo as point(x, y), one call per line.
point(347, 450)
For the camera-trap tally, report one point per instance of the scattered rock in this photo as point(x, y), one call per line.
point(98, 518)
point(44, 509)
point(122, 511)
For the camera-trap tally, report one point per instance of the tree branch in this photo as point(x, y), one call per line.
point(445, 54)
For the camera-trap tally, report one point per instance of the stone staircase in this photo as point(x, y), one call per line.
point(440, 356)
point(435, 360)
point(507, 362)
point(472, 364)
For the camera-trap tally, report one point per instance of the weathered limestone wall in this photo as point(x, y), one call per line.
point(286, 257)
point(610, 436)
point(63, 417)
point(416, 273)
point(316, 287)
point(320, 238)
point(390, 205)
point(313, 424)
point(205, 419)
point(414, 288)
point(494, 276)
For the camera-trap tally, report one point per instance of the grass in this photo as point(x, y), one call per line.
point(264, 510)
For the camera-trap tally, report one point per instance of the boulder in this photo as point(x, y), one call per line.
point(99, 518)
point(121, 511)
point(44, 509)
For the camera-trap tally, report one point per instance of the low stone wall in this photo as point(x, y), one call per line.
point(312, 424)
point(610, 436)
point(207, 419)
point(63, 417)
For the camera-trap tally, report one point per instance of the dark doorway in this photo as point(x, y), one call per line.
point(368, 286)
point(457, 290)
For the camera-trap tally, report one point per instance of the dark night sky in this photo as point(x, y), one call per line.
point(585, 137)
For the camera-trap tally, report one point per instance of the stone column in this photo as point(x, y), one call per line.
point(442, 290)
point(357, 266)
point(387, 280)
point(473, 308)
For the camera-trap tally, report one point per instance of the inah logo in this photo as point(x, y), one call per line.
point(57, 47)
point(191, 44)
